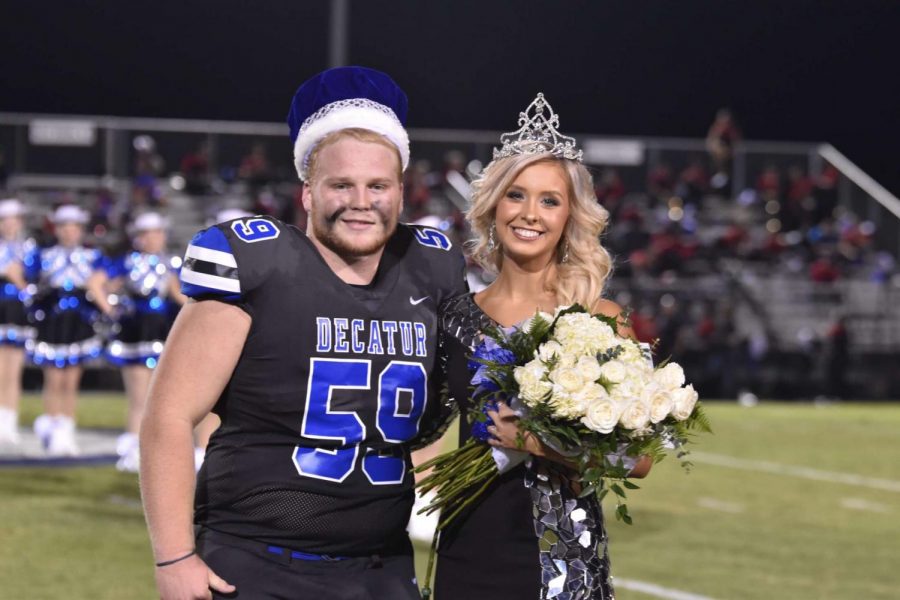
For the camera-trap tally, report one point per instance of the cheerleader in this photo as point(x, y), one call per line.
point(14, 329)
point(65, 333)
point(140, 292)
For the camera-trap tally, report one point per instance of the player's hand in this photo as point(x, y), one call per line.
point(506, 432)
point(189, 579)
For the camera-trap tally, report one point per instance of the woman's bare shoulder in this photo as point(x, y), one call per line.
point(607, 308)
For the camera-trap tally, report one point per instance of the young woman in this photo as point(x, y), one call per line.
point(145, 284)
point(537, 225)
point(65, 332)
point(14, 329)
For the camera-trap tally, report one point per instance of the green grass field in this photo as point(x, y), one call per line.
point(719, 531)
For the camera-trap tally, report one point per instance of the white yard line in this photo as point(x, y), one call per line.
point(720, 505)
point(721, 460)
point(658, 591)
point(860, 504)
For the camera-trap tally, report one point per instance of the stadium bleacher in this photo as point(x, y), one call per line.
point(744, 282)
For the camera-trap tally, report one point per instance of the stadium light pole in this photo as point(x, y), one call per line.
point(337, 40)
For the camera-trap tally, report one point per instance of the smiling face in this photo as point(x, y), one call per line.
point(531, 215)
point(354, 198)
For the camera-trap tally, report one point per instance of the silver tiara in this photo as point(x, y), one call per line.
point(537, 133)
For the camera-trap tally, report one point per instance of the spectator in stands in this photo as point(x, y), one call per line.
point(667, 249)
point(825, 193)
point(255, 169)
point(768, 183)
point(693, 183)
point(670, 323)
point(837, 353)
point(627, 236)
point(195, 170)
point(661, 183)
point(824, 268)
point(723, 135)
point(643, 324)
point(455, 161)
point(799, 202)
point(149, 166)
point(610, 189)
point(823, 233)
point(416, 191)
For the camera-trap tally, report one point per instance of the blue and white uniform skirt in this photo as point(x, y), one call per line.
point(140, 335)
point(14, 327)
point(65, 330)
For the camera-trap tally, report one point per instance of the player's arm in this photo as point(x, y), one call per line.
point(200, 355)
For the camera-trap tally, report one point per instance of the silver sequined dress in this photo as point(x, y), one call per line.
point(529, 536)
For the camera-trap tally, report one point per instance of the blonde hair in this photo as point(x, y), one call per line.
point(356, 133)
point(582, 276)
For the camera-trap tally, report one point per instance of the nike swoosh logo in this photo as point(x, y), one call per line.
point(419, 301)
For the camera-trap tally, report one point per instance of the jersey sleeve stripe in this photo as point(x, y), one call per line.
point(208, 254)
point(214, 283)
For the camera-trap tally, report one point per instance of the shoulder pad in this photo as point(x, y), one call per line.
point(209, 268)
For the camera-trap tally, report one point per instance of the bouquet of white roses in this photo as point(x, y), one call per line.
point(588, 394)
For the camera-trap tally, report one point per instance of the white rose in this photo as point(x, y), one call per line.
point(631, 355)
point(535, 391)
point(569, 379)
point(613, 371)
point(549, 349)
point(628, 391)
point(565, 405)
point(588, 368)
point(670, 377)
point(601, 416)
point(532, 387)
point(635, 415)
point(684, 400)
point(658, 400)
point(565, 360)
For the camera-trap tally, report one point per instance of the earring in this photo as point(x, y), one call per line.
point(491, 243)
point(565, 256)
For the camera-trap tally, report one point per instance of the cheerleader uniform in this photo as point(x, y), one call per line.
point(14, 327)
point(61, 311)
point(146, 310)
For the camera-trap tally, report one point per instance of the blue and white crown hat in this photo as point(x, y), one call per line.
point(69, 213)
point(11, 207)
point(342, 98)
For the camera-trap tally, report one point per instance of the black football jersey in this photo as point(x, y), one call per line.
point(334, 384)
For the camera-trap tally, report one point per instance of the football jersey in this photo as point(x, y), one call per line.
point(333, 385)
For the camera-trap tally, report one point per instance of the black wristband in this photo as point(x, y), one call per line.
point(166, 563)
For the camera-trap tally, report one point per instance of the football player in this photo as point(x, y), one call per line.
point(318, 353)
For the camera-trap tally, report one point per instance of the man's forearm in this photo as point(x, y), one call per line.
point(167, 485)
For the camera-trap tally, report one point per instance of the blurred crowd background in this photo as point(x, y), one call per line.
point(764, 268)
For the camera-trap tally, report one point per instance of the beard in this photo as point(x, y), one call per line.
point(324, 229)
